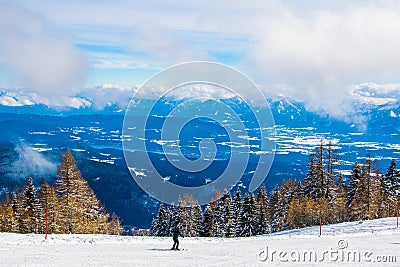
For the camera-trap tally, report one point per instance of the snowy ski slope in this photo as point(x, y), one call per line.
point(368, 243)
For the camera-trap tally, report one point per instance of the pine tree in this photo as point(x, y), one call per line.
point(332, 164)
point(322, 211)
point(393, 180)
point(227, 215)
point(355, 177)
point(237, 205)
point(48, 201)
point(69, 191)
point(190, 215)
point(218, 226)
point(72, 207)
point(161, 224)
point(358, 207)
point(375, 196)
point(263, 226)
point(8, 221)
point(367, 168)
point(288, 190)
point(321, 172)
point(197, 214)
point(297, 214)
point(332, 199)
point(310, 184)
point(388, 182)
point(29, 216)
point(16, 205)
point(276, 211)
point(114, 225)
point(320, 179)
point(340, 208)
point(81, 211)
point(208, 220)
point(176, 219)
point(247, 220)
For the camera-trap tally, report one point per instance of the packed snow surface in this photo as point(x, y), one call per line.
point(366, 243)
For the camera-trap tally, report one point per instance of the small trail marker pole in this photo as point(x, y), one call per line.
point(320, 226)
point(47, 223)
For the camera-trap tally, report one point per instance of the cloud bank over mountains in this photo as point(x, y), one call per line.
point(327, 55)
point(39, 56)
point(361, 98)
point(97, 97)
point(322, 55)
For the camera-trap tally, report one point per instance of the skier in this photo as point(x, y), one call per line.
point(175, 234)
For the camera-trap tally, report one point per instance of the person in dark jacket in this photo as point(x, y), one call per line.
point(175, 234)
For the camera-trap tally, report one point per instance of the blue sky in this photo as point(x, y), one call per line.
point(313, 51)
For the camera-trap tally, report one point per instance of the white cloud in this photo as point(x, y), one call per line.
point(162, 44)
point(187, 91)
point(376, 94)
point(21, 97)
point(97, 97)
point(31, 163)
point(107, 94)
point(322, 55)
point(36, 54)
point(312, 52)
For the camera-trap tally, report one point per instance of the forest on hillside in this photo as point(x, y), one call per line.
point(70, 207)
point(322, 196)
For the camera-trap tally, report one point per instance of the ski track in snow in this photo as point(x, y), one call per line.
point(381, 237)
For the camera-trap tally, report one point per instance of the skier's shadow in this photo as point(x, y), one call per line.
point(160, 249)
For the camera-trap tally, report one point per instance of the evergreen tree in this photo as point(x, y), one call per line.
point(190, 215)
point(218, 225)
point(332, 164)
point(367, 168)
point(388, 182)
point(393, 180)
point(227, 215)
point(320, 179)
point(18, 210)
point(339, 207)
point(29, 215)
point(358, 207)
point(247, 220)
point(375, 196)
point(321, 172)
point(197, 214)
point(276, 210)
point(176, 219)
point(356, 175)
point(208, 220)
point(263, 226)
point(161, 224)
point(310, 184)
point(289, 189)
point(237, 205)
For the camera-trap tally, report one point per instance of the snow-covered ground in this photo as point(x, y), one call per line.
point(353, 243)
